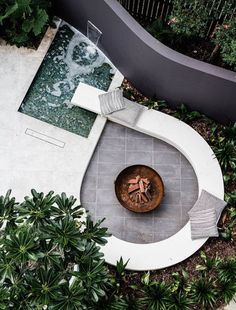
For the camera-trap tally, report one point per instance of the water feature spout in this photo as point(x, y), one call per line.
point(93, 33)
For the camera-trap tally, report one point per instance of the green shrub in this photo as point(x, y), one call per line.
point(49, 254)
point(23, 20)
point(189, 18)
point(226, 39)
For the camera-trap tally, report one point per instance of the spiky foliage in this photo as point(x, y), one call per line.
point(183, 113)
point(157, 296)
point(203, 292)
point(226, 154)
point(227, 270)
point(227, 290)
point(49, 254)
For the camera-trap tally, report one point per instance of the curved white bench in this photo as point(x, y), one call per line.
point(175, 132)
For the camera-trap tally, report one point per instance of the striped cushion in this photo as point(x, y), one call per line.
point(203, 224)
point(128, 116)
point(111, 101)
point(206, 201)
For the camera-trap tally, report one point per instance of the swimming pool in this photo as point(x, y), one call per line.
point(71, 59)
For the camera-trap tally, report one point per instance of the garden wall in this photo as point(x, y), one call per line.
point(153, 68)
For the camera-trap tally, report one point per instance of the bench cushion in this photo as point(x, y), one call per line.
point(129, 115)
point(207, 201)
point(203, 224)
point(111, 101)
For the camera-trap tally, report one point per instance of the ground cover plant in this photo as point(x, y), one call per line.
point(200, 29)
point(50, 258)
point(23, 22)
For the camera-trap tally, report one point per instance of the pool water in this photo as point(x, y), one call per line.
point(71, 59)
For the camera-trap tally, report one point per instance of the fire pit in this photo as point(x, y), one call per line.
point(139, 188)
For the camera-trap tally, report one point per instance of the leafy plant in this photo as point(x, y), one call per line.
point(203, 292)
point(185, 115)
point(179, 301)
point(49, 256)
point(157, 296)
point(226, 154)
point(208, 263)
point(225, 38)
point(7, 211)
point(227, 270)
point(227, 290)
point(22, 20)
point(189, 19)
point(124, 303)
point(163, 32)
point(180, 282)
point(120, 267)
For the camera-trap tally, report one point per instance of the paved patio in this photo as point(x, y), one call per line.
point(120, 147)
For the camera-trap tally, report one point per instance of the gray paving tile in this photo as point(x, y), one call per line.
point(114, 224)
point(187, 186)
point(106, 182)
point(186, 208)
point(130, 133)
point(184, 161)
point(114, 169)
point(143, 216)
point(95, 155)
point(161, 146)
point(111, 143)
point(138, 225)
point(166, 158)
point(109, 210)
point(139, 237)
point(88, 195)
point(171, 198)
point(185, 216)
point(170, 211)
point(114, 130)
point(171, 184)
point(92, 168)
point(166, 226)
point(139, 145)
point(188, 198)
point(187, 172)
point(168, 170)
point(111, 157)
point(105, 196)
point(144, 158)
point(159, 236)
point(90, 181)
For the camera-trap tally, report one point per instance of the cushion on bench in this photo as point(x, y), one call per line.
point(111, 101)
point(129, 115)
point(204, 216)
point(206, 201)
point(203, 224)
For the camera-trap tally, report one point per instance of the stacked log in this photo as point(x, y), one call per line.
point(139, 189)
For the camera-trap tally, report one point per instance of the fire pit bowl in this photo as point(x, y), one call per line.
point(156, 188)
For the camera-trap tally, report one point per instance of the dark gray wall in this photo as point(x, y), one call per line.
point(153, 68)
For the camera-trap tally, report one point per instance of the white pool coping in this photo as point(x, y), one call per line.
point(175, 132)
